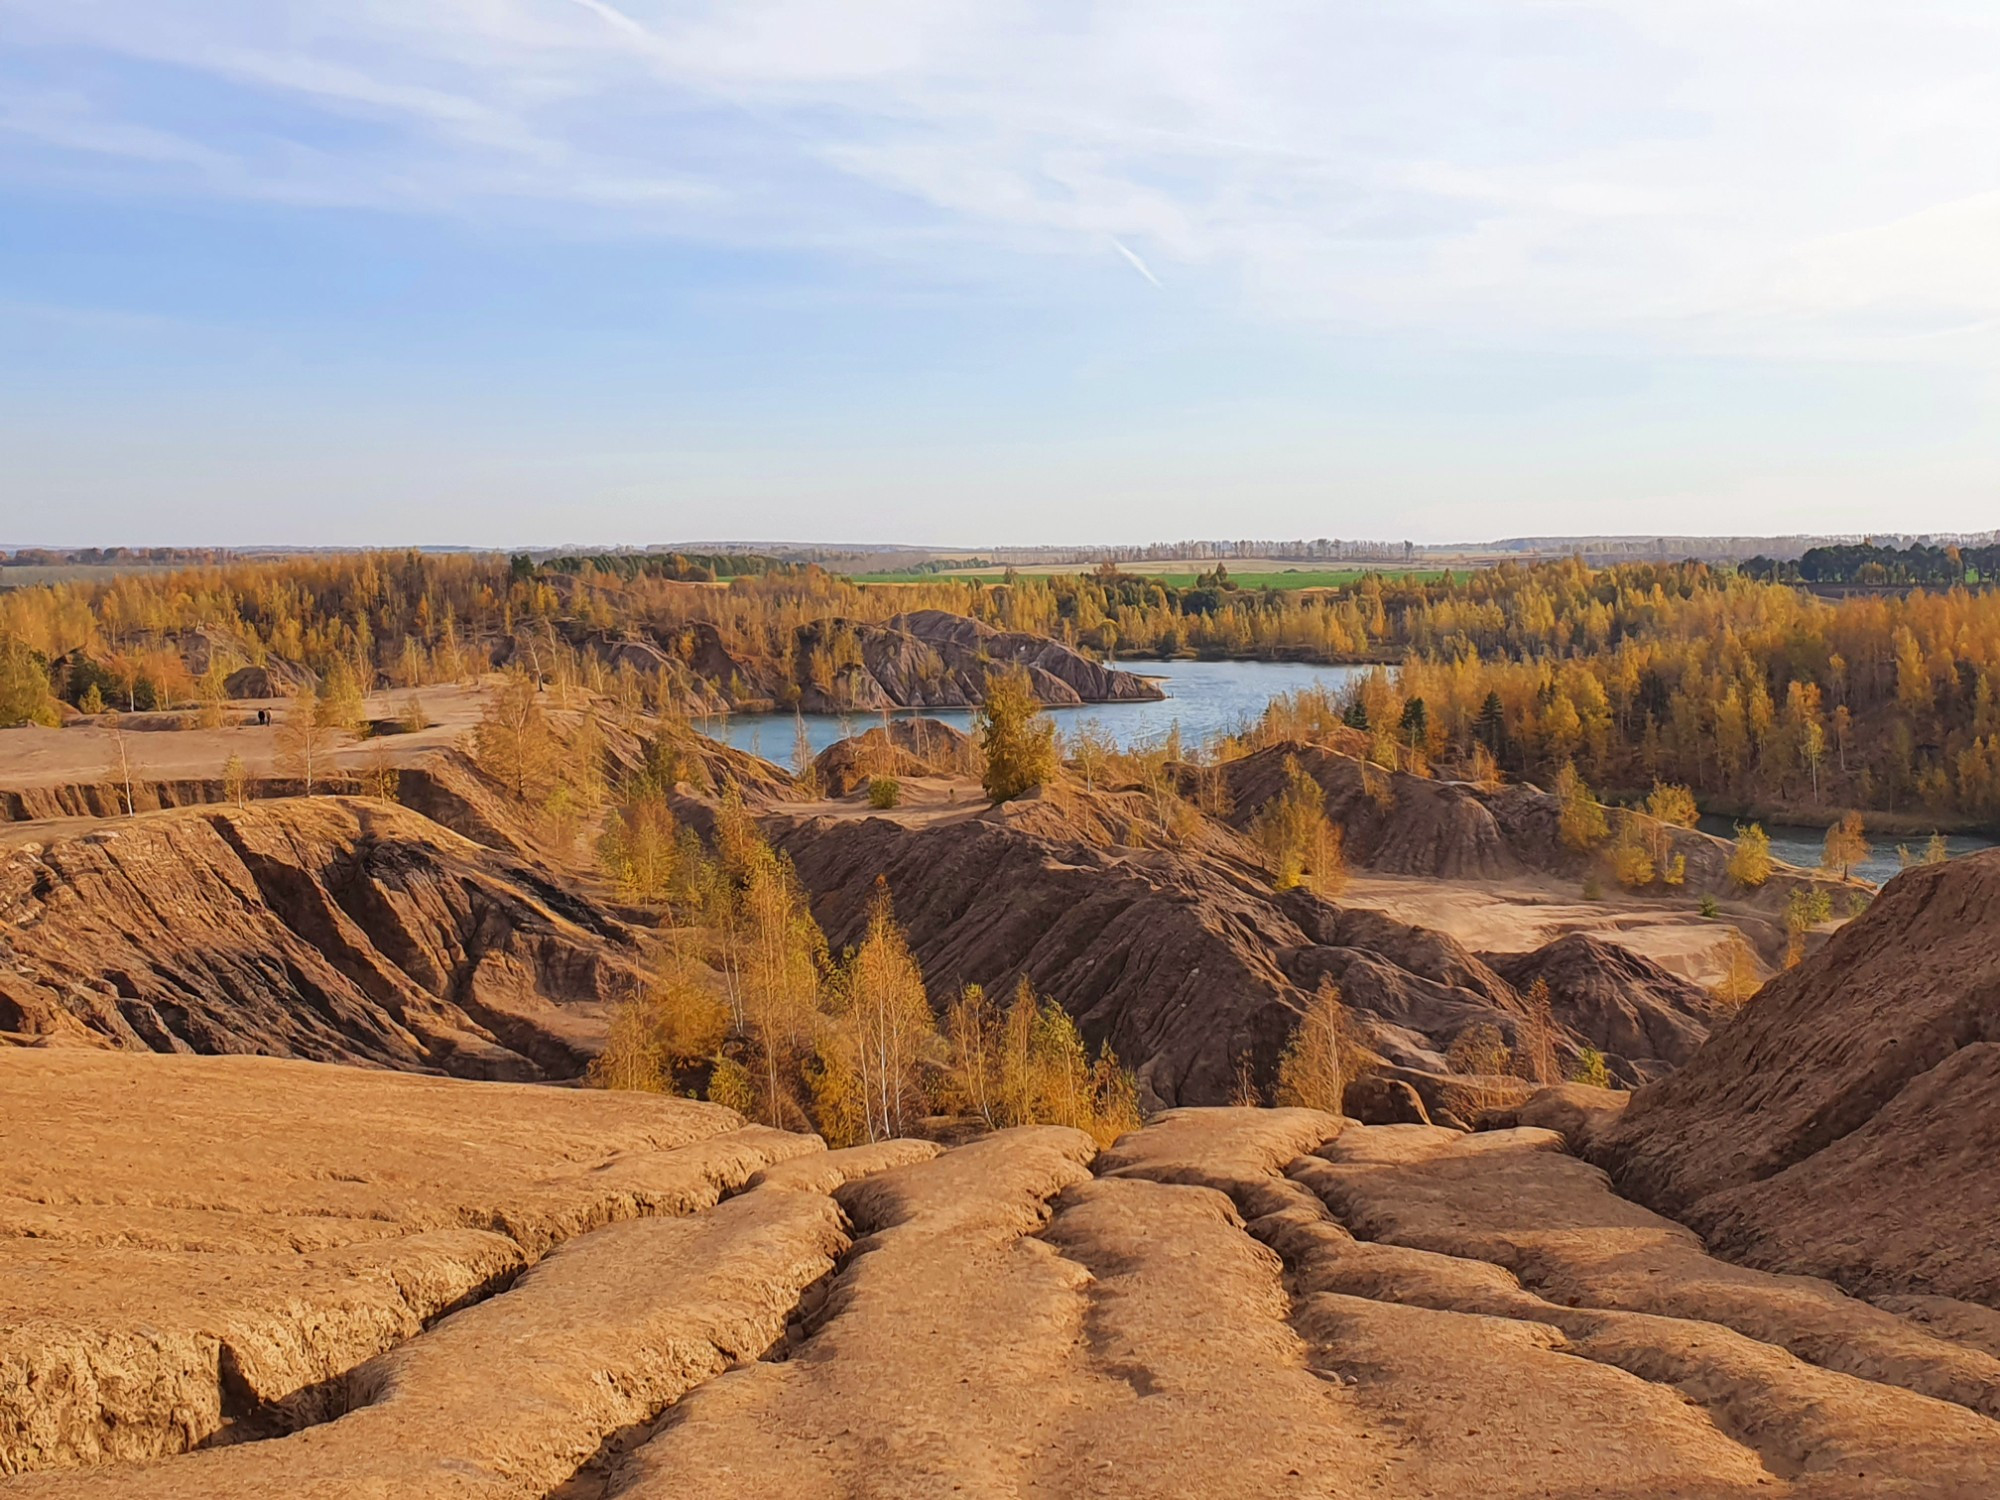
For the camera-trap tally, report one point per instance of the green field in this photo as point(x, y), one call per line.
point(1286, 578)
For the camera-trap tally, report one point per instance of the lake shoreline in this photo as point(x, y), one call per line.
point(1888, 824)
point(1205, 698)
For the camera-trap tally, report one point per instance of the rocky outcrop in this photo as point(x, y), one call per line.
point(1844, 1125)
point(969, 648)
point(931, 659)
point(275, 678)
point(326, 928)
point(1624, 1005)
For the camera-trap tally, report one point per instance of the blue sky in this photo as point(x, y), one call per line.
point(603, 271)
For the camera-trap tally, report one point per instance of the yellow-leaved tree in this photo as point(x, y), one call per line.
point(1670, 806)
point(1535, 1036)
point(1631, 854)
point(24, 687)
point(1322, 1057)
point(779, 958)
point(304, 743)
point(972, 1030)
point(1580, 821)
point(1846, 846)
point(513, 743)
point(341, 704)
point(676, 1021)
point(1042, 1074)
point(1750, 862)
point(1300, 840)
point(1018, 739)
point(872, 1061)
point(1742, 975)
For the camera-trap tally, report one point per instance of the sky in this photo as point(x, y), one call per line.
point(599, 272)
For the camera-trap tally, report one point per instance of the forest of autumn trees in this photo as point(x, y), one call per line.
point(1748, 691)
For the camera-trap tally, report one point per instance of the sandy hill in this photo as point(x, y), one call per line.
point(235, 1277)
point(921, 659)
point(906, 747)
point(1402, 824)
point(332, 928)
point(1846, 1124)
point(1175, 950)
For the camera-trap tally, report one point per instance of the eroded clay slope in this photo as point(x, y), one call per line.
point(1262, 1302)
point(922, 659)
point(1628, 1005)
point(1177, 953)
point(1401, 824)
point(905, 747)
point(1227, 1302)
point(328, 928)
point(197, 1248)
point(1845, 1124)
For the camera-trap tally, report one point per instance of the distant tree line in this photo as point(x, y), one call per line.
point(95, 557)
point(1918, 565)
point(676, 567)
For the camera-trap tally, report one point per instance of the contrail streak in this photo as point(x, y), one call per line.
point(1137, 264)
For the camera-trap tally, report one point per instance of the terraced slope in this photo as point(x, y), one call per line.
point(1228, 1302)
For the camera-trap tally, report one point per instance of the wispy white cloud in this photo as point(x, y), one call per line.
point(1763, 176)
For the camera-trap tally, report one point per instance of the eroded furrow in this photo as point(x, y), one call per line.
point(1267, 1302)
point(238, 1261)
point(945, 1341)
point(1516, 1200)
point(1441, 1400)
point(1191, 1382)
point(516, 1396)
point(1449, 1222)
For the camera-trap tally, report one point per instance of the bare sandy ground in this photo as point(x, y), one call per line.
point(925, 802)
point(33, 756)
point(333, 1283)
point(1518, 916)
